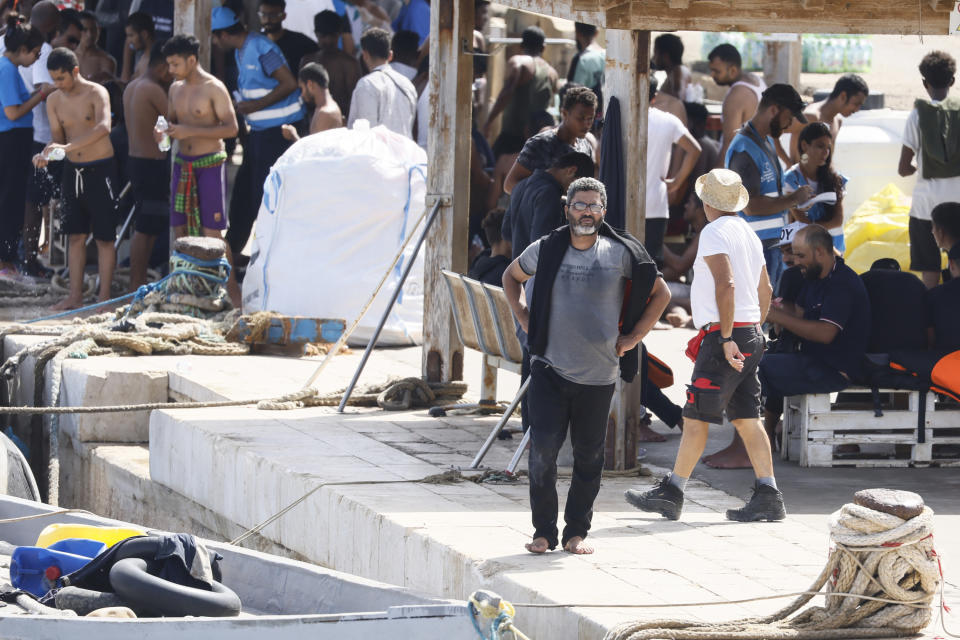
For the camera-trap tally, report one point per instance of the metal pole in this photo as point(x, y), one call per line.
point(123, 229)
point(512, 467)
point(386, 312)
point(500, 425)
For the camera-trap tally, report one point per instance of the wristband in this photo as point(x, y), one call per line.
point(722, 339)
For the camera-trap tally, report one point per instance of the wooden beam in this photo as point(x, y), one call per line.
point(448, 176)
point(823, 16)
point(565, 8)
point(192, 17)
point(678, 4)
point(942, 5)
point(812, 5)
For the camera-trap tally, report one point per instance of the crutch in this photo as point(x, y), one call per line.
point(501, 423)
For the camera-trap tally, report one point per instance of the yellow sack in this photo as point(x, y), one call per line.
point(107, 535)
point(879, 228)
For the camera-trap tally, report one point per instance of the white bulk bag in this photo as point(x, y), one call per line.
point(336, 208)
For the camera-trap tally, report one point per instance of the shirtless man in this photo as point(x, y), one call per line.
point(848, 95)
point(528, 88)
point(79, 116)
point(314, 87)
point(141, 33)
point(668, 56)
point(740, 103)
point(95, 64)
point(144, 100)
point(201, 115)
point(673, 106)
point(343, 69)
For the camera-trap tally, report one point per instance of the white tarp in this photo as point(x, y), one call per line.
point(336, 208)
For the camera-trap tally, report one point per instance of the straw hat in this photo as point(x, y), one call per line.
point(722, 189)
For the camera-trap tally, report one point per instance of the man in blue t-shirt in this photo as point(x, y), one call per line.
point(832, 319)
point(414, 16)
point(268, 97)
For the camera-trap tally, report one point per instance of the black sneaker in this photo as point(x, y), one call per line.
point(665, 499)
point(766, 503)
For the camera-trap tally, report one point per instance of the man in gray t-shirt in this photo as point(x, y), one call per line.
point(576, 345)
point(584, 310)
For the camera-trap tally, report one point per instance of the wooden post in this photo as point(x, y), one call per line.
point(782, 62)
point(448, 177)
point(192, 17)
point(627, 78)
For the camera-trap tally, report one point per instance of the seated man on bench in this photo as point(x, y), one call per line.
point(943, 308)
point(832, 319)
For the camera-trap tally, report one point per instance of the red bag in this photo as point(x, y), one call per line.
point(693, 347)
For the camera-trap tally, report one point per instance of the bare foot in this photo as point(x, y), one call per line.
point(67, 304)
point(677, 317)
point(233, 290)
point(577, 546)
point(538, 546)
point(646, 434)
point(732, 457)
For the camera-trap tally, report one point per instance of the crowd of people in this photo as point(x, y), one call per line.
point(84, 116)
point(761, 275)
point(761, 221)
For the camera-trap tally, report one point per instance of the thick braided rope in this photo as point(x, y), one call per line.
point(876, 555)
point(75, 350)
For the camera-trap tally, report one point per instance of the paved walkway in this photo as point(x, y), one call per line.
point(245, 464)
point(460, 537)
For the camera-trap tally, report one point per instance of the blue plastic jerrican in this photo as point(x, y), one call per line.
point(36, 569)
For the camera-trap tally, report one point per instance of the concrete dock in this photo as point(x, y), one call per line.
point(219, 472)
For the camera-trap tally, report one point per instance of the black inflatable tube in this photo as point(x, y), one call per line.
point(131, 581)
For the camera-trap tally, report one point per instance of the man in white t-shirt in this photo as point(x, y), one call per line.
point(939, 180)
point(730, 298)
point(663, 131)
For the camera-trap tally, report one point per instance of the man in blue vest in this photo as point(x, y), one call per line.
point(752, 155)
point(269, 98)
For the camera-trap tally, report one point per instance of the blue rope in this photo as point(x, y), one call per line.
point(71, 312)
point(145, 289)
point(473, 619)
point(219, 262)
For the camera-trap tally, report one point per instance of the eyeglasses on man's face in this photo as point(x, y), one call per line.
point(583, 206)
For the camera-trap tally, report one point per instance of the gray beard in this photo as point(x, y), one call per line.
point(582, 230)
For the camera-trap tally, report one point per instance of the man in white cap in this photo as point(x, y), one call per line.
point(729, 297)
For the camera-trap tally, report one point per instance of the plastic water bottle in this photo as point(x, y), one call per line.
point(163, 125)
point(56, 154)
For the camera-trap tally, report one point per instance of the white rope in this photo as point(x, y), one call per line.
point(880, 579)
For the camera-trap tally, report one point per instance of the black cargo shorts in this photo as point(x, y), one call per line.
point(716, 388)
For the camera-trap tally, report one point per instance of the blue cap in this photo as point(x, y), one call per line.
point(222, 17)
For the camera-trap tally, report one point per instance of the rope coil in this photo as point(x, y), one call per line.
point(883, 573)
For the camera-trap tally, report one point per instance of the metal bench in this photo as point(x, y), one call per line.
point(485, 323)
